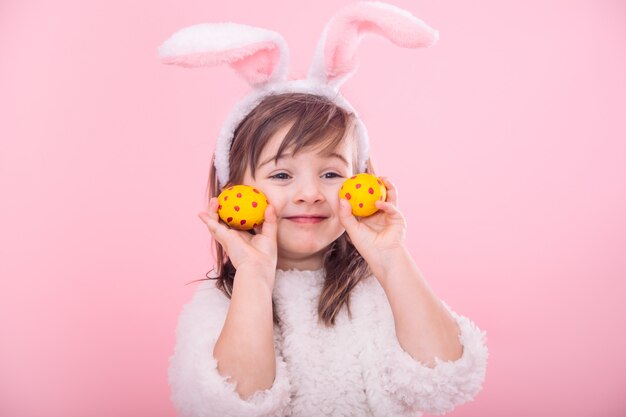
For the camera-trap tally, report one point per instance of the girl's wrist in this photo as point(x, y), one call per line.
point(259, 271)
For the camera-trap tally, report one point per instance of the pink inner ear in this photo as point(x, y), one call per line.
point(340, 52)
point(255, 62)
point(259, 64)
point(361, 18)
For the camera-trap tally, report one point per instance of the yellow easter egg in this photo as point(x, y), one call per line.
point(362, 191)
point(242, 207)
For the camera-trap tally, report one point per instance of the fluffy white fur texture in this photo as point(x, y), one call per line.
point(356, 368)
point(216, 40)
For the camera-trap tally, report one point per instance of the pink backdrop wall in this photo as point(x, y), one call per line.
point(512, 178)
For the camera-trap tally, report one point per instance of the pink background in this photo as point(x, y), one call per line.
point(506, 142)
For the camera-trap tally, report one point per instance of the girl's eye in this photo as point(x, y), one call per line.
point(334, 175)
point(280, 173)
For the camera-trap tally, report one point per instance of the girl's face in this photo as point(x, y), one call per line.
point(305, 185)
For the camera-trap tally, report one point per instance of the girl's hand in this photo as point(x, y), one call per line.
point(243, 248)
point(379, 236)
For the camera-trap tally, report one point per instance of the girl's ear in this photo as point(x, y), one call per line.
point(335, 57)
point(258, 55)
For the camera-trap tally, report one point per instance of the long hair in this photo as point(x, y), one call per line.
point(317, 122)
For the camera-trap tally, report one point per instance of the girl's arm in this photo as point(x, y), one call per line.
point(419, 361)
point(197, 388)
point(422, 356)
point(245, 348)
point(424, 327)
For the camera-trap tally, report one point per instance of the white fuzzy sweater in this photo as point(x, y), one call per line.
point(357, 368)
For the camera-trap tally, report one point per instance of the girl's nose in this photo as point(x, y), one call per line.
point(309, 191)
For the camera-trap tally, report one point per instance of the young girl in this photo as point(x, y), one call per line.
point(315, 312)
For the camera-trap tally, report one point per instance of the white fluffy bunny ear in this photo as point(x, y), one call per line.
point(258, 55)
point(335, 58)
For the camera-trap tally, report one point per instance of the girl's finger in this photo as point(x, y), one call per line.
point(211, 219)
point(392, 191)
point(213, 207)
point(269, 226)
point(347, 219)
point(387, 207)
point(215, 228)
point(211, 211)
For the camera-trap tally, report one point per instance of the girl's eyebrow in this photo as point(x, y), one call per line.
point(338, 156)
point(326, 155)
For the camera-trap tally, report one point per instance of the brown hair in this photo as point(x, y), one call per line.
point(318, 122)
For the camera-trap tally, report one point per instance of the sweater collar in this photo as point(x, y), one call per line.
point(295, 278)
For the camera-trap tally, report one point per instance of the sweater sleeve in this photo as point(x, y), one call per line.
point(197, 389)
point(414, 387)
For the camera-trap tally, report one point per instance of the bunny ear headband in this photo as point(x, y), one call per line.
point(261, 57)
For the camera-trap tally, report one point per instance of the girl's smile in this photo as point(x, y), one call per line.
point(306, 220)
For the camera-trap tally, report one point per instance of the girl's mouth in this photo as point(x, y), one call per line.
point(310, 220)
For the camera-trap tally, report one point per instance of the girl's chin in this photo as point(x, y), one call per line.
point(304, 246)
point(300, 253)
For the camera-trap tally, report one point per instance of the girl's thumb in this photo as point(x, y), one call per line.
point(346, 217)
point(269, 224)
